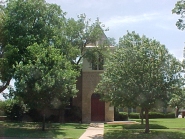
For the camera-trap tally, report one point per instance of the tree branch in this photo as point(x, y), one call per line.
point(2, 88)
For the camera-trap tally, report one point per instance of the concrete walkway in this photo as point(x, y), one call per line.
point(94, 131)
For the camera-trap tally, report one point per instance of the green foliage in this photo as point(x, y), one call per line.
point(14, 109)
point(32, 130)
point(169, 115)
point(179, 9)
point(177, 99)
point(133, 115)
point(48, 79)
point(112, 41)
point(161, 129)
point(123, 116)
point(120, 116)
point(25, 22)
point(82, 33)
point(138, 134)
point(141, 72)
point(152, 115)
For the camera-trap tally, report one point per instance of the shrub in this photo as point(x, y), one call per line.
point(170, 115)
point(120, 116)
point(134, 115)
point(14, 109)
point(153, 115)
point(123, 116)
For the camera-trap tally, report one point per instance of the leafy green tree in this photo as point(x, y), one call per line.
point(47, 80)
point(31, 21)
point(112, 41)
point(3, 83)
point(140, 73)
point(14, 109)
point(82, 33)
point(179, 9)
point(26, 22)
point(177, 99)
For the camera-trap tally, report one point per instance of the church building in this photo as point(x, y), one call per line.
point(92, 108)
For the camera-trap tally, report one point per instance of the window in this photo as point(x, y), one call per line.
point(98, 64)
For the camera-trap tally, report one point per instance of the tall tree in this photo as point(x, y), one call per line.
point(178, 97)
point(46, 79)
point(81, 33)
point(179, 9)
point(140, 73)
point(29, 21)
point(26, 22)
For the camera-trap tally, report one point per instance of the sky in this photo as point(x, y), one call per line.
point(152, 18)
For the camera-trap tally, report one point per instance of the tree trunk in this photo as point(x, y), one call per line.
point(61, 115)
point(141, 116)
point(177, 112)
point(146, 121)
point(43, 123)
point(2, 88)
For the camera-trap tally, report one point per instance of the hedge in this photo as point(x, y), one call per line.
point(134, 115)
point(120, 116)
point(123, 116)
point(152, 115)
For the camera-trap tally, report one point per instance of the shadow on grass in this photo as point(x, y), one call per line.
point(20, 124)
point(70, 126)
point(80, 127)
point(31, 133)
point(39, 125)
point(33, 130)
point(138, 126)
point(139, 134)
point(135, 126)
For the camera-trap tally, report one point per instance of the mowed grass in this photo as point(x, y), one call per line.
point(33, 130)
point(159, 129)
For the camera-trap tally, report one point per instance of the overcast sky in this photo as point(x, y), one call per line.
point(152, 18)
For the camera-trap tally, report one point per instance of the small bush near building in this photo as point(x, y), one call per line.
point(170, 115)
point(123, 116)
point(14, 109)
point(152, 115)
point(120, 116)
point(134, 115)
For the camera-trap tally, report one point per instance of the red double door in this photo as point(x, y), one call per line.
point(97, 108)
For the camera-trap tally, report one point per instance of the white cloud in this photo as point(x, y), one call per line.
point(163, 20)
point(116, 20)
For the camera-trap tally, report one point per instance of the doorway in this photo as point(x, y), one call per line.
point(97, 108)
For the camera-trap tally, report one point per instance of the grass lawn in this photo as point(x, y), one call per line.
point(33, 130)
point(159, 129)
